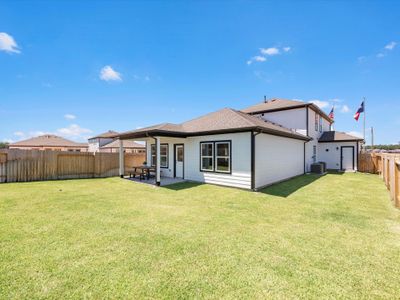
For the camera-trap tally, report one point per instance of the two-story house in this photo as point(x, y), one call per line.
point(305, 118)
point(252, 148)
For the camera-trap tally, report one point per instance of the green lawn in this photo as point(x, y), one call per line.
point(311, 237)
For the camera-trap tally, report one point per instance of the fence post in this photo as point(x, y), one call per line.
point(397, 183)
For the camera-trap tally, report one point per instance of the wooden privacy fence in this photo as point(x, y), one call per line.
point(389, 170)
point(32, 165)
point(368, 163)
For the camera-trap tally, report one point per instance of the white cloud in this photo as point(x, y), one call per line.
point(9, 141)
point(19, 133)
point(355, 133)
point(361, 59)
point(345, 109)
point(109, 74)
point(8, 44)
point(69, 117)
point(147, 78)
point(319, 103)
point(390, 46)
point(337, 100)
point(269, 51)
point(380, 55)
point(74, 131)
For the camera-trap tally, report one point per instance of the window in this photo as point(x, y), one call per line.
point(163, 155)
point(223, 157)
point(320, 124)
point(316, 122)
point(179, 156)
point(215, 156)
point(314, 154)
point(207, 156)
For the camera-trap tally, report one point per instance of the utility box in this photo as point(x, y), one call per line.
point(318, 168)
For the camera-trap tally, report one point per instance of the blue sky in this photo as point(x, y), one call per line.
point(78, 69)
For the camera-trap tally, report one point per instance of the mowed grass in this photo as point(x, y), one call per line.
point(336, 236)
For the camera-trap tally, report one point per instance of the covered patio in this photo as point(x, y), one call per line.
point(164, 154)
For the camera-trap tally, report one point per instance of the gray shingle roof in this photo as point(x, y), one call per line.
point(224, 120)
point(337, 136)
point(125, 144)
point(276, 104)
point(48, 140)
point(108, 134)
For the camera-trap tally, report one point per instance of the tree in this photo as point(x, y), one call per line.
point(3, 145)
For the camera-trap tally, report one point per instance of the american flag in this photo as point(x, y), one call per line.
point(332, 113)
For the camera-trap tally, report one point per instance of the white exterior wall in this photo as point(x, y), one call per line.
point(93, 147)
point(241, 160)
point(166, 172)
point(315, 135)
point(292, 118)
point(332, 157)
point(277, 158)
point(95, 144)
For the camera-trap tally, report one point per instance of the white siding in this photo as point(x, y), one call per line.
point(292, 118)
point(315, 135)
point(332, 157)
point(166, 172)
point(241, 160)
point(277, 158)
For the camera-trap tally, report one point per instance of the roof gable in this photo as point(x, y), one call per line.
point(276, 104)
point(48, 140)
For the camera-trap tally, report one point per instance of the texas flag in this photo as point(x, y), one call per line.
point(359, 111)
point(332, 113)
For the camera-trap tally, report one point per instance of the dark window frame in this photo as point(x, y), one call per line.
point(153, 163)
point(214, 157)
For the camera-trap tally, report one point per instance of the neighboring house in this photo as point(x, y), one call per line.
point(96, 142)
point(260, 145)
point(49, 142)
point(129, 147)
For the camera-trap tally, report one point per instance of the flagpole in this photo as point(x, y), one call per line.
point(365, 141)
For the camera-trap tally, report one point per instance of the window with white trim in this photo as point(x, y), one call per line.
point(316, 122)
point(207, 156)
point(163, 155)
point(223, 157)
point(320, 123)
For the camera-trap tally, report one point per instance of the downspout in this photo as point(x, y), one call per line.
point(253, 159)
point(307, 132)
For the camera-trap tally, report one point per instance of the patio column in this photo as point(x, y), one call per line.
point(121, 159)
point(158, 160)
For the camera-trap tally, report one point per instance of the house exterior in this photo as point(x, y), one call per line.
point(129, 147)
point(49, 142)
point(252, 148)
point(98, 141)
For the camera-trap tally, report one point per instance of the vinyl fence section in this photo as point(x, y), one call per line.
point(34, 165)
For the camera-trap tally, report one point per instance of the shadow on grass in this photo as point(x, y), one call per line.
point(286, 188)
point(182, 186)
